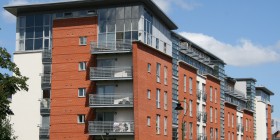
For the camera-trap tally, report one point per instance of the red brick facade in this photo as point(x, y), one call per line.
point(248, 122)
point(144, 81)
point(66, 77)
point(230, 121)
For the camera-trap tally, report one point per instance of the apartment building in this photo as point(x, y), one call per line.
point(116, 70)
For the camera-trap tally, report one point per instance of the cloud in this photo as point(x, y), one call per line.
point(244, 53)
point(167, 5)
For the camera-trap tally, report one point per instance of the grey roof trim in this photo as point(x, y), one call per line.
point(198, 47)
point(266, 90)
point(43, 7)
point(246, 79)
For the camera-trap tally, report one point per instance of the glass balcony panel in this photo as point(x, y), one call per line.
point(125, 100)
point(113, 127)
point(110, 73)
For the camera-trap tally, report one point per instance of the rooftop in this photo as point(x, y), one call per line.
point(264, 89)
point(18, 10)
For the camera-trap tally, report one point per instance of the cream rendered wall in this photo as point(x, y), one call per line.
point(25, 105)
point(261, 131)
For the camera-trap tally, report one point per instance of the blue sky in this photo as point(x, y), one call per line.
point(245, 34)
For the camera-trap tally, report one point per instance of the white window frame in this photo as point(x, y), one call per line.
point(82, 66)
point(190, 108)
point(190, 85)
point(165, 75)
point(149, 94)
point(216, 115)
point(228, 120)
point(185, 83)
point(148, 121)
point(215, 95)
point(158, 72)
point(158, 124)
point(81, 118)
point(165, 100)
point(158, 98)
point(185, 106)
point(211, 93)
point(149, 67)
point(83, 90)
point(232, 120)
point(165, 125)
point(211, 114)
point(82, 40)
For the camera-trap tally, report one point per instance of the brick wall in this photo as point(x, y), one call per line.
point(230, 110)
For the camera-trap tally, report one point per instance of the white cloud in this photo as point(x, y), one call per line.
point(167, 5)
point(244, 53)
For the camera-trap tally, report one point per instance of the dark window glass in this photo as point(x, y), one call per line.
point(59, 15)
point(135, 35)
point(102, 26)
point(46, 43)
point(102, 14)
point(119, 35)
point(38, 44)
point(68, 14)
point(38, 20)
point(47, 19)
point(111, 26)
point(38, 32)
point(128, 35)
point(120, 13)
point(29, 21)
point(29, 44)
point(46, 31)
point(111, 14)
point(29, 32)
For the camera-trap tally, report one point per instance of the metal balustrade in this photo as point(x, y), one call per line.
point(204, 117)
point(201, 136)
point(272, 108)
point(46, 55)
point(124, 45)
point(113, 127)
point(240, 127)
point(46, 81)
point(44, 132)
point(272, 122)
point(124, 100)
point(198, 116)
point(110, 73)
point(45, 106)
point(198, 94)
point(204, 96)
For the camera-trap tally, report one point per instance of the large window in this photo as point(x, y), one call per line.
point(34, 32)
point(158, 72)
point(157, 124)
point(158, 98)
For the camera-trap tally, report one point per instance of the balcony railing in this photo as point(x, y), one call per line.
point(44, 132)
point(201, 136)
point(111, 127)
point(125, 100)
point(204, 96)
point(240, 128)
point(204, 117)
point(46, 55)
point(45, 106)
point(110, 73)
point(272, 108)
point(46, 81)
point(198, 94)
point(198, 116)
point(111, 47)
point(272, 122)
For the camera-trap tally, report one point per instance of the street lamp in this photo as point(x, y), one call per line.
point(179, 108)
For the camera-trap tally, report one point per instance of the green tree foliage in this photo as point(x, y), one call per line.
point(9, 85)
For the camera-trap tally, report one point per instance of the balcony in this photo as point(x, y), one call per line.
point(204, 117)
point(110, 73)
point(204, 96)
point(198, 94)
point(125, 100)
point(240, 128)
point(201, 136)
point(46, 81)
point(45, 106)
point(119, 46)
point(111, 128)
point(47, 56)
point(272, 122)
point(44, 132)
point(198, 116)
point(272, 108)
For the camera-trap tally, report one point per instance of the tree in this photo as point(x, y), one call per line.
point(9, 85)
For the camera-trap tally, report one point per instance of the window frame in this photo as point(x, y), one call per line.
point(158, 98)
point(81, 118)
point(158, 72)
point(82, 40)
point(84, 92)
point(82, 66)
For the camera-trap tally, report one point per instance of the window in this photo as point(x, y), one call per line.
point(190, 107)
point(211, 114)
point(149, 67)
point(246, 124)
point(228, 135)
point(68, 14)
point(185, 83)
point(185, 130)
point(232, 136)
point(82, 66)
point(149, 94)
point(165, 100)
point(185, 106)
point(228, 120)
point(190, 84)
point(211, 94)
point(81, 118)
point(158, 98)
point(165, 75)
point(83, 40)
point(211, 133)
point(82, 92)
point(164, 47)
point(157, 43)
point(191, 130)
point(216, 134)
point(165, 125)
point(158, 72)
point(232, 120)
point(216, 115)
point(215, 94)
point(158, 125)
point(148, 121)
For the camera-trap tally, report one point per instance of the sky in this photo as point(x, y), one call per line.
point(245, 34)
